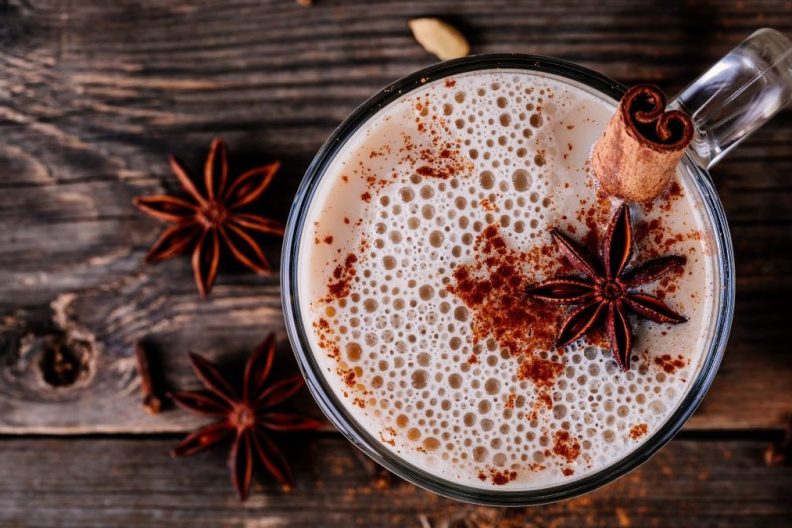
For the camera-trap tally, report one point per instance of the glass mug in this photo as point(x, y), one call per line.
point(728, 102)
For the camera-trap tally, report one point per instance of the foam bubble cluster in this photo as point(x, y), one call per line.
point(399, 347)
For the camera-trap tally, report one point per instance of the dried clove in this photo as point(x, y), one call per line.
point(152, 402)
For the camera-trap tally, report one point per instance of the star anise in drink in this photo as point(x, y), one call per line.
point(212, 216)
point(247, 417)
point(606, 293)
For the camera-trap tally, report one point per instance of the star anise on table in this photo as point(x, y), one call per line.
point(247, 417)
point(605, 294)
point(212, 215)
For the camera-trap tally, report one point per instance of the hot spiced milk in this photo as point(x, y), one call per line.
point(419, 245)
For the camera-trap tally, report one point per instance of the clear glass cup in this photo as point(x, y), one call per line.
point(728, 102)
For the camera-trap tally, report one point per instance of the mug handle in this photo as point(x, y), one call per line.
point(738, 94)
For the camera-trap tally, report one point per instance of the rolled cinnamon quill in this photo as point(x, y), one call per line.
point(636, 157)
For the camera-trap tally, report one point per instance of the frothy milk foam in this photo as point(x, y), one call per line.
point(404, 203)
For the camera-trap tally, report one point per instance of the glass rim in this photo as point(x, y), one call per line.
point(334, 409)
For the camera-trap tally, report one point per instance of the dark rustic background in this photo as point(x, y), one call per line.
point(93, 96)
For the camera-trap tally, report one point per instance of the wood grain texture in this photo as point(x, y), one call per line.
point(85, 483)
point(94, 95)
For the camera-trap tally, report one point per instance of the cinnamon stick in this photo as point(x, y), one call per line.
point(636, 157)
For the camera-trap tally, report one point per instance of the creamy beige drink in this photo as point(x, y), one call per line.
point(420, 243)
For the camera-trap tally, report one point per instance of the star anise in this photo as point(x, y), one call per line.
point(213, 216)
point(248, 417)
point(606, 293)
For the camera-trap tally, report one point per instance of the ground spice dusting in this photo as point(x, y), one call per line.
point(497, 477)
point(328, 341)
point(566, 446)
point(593, 216)
point(666, 200)
point(654, 238)
point(382, 151)
point(669, 364)
point(431, 154)
point(542, 373)
point(392, 433)
point(487, 205)
point(493, 289)
point(637, 431)
point(349, 378)
point(439, 158)
point(340, 282)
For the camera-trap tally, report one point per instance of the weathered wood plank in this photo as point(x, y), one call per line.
point(95, 94)
point(103, 482)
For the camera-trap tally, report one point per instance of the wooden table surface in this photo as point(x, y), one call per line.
point(95, 94)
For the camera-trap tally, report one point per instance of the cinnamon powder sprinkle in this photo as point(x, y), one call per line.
point(436, 157)
point(328, 340)
point(497, 477)
point(493, 289)
point(670, 365)
point(349, 378)
point(566, 446)
point(637, 431)
point(487, 205)
point(340, 281)
point(390, 441)
point(541, 372)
